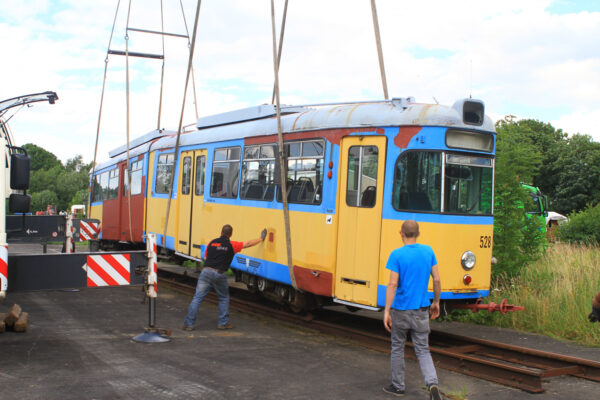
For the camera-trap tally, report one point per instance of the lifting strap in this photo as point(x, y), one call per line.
point(282, 158)
point(176, 156)
point(101, 102)
point(283, 19)
point(127, 99)
point(189, 46)
point(379, 51)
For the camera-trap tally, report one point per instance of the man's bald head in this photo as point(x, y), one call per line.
point(410, 228)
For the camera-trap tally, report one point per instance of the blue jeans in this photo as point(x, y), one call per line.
point(210, 279)
point(417, 322)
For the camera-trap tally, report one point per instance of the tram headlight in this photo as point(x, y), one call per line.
point(468, 260)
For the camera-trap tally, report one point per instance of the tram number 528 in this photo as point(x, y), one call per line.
point(485, 242)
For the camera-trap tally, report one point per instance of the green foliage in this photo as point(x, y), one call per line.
point(557, 293)
point(39, 200)
point(53, 183)
point(583, 227)
point(40, 158)
point(578, 175)
point(517, 240)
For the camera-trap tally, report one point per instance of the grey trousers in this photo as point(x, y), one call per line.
point(417, 322)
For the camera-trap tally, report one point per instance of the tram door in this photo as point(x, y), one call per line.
point(359, 227)
point(184, 201)
point(196, 239)
point(190, 201)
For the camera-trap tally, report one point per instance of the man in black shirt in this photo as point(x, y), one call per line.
point(218, 256)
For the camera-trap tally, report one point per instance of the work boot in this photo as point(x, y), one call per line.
point(393, 390)
point(187, 328)
point(226, 326)
point(434, 392)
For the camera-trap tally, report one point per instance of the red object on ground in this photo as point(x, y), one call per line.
point(491, 307)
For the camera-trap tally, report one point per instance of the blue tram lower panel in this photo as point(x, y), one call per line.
point(381, 294)
point(265, 269)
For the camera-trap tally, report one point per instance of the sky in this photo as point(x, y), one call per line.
point(536, 59)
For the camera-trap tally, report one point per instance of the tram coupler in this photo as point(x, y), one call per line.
point(152, 334)
point(491, 306)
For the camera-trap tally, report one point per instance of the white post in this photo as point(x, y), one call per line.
point(151, 290)
point(69, 245)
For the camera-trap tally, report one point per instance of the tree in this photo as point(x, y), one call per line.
point(516, 241)
point(53, 183)
point(40, 200)
point(40, 158)
point(578, 175)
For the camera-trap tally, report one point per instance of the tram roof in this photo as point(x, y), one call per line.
point(262, 121)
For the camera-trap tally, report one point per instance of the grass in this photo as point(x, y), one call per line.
point(557, 293)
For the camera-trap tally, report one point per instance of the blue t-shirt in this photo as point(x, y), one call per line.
point(413, 264)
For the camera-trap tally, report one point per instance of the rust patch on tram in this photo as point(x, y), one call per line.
point(405, 134)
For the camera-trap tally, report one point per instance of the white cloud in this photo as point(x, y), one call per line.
point(514, 55)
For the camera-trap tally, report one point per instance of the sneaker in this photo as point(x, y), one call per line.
point(226, 326)
point(434, 392)
point(392, 390)
point(187, 328)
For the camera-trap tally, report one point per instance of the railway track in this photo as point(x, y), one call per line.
point(509, 365)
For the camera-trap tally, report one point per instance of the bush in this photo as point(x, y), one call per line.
point(556, 291)
point(583, 227)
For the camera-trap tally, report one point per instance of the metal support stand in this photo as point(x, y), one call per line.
point(152, 334)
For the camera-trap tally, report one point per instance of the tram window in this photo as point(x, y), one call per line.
point(164, 170)
point(305, 172)
point(361, 189)
point(136, 179)
point(113, 184)
point(104, 186)
point(186, 175)
point(417, 181)
point(200, 166)
point(258, 173)
point(96, 189)
point(468, 185)
point(225, 173)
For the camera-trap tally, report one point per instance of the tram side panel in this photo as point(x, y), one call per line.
point(138, 202)
point(157, 198)
point(313, 234)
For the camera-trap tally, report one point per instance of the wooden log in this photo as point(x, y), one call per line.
point(13, 315)
point(22, 322)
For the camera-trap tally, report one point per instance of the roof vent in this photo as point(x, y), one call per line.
point(472, 111)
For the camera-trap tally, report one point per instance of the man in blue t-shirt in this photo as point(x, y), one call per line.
point(407, 306)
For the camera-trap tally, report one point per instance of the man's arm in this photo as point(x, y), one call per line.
point(389, 299)
point(434, 309)
point(254, 242)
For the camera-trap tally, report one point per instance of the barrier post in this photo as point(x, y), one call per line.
point(3, 270)
point(69, 244)
point(152, 334)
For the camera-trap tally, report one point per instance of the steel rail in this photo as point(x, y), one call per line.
point(508, 365)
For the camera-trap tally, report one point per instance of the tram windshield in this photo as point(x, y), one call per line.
point(468, 184)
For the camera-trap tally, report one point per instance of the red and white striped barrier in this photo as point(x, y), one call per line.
point(3, 270)
point(88, 230)
point(108, 270)
point(152, 288)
